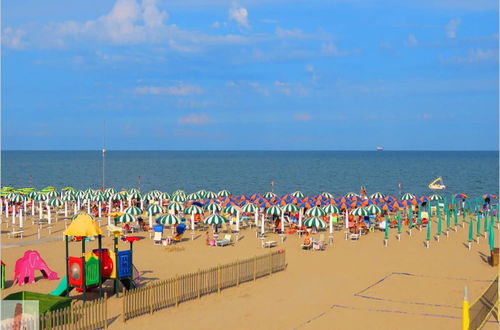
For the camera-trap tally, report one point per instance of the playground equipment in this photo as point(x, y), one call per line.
point(93, 268)
point(24, 271)
point(2, 275)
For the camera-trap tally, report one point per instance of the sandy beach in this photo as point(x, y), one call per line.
point(352, 285)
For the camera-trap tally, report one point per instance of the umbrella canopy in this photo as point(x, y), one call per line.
point(168, 220)
point(249, 208)
point(193, 209)
point(32, 194)
point(213, 207)
point(331, 209)
point(374, 209)
point(297, 194)
point(269, 195)
point(210, 195)
point(316, 212)
point(224, 193)
point(83, 225)
point(164, 195)
point(133, 210)
point(125, 218)
point(274, 210)
point(490, 196)
point(111, 190)
point(119, 197)
point(215, 219)
point(99, 198)
point(435, 197)
point(360, 211)
point(231, 209)
point(350, 194)
point(326, 194)
point(377, 195)
point(135, 195)
point(192, 196)
point(315, 222)
point(133, 191)
point(290, 208)
point(41, 197)
point(55, 202)
point(462, 196)
point(407, 196)
point(179, 198)
point(17, 198)
point(155, 209)
point(69, 197)
point(52, 194)
point(175, 207)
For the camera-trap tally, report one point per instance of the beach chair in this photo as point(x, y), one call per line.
point(225, 241)
point(354, 237)
point(15, 233)
point(157, 238)
point(320, 245)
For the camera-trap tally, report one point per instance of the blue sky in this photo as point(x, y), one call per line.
point(294, 75)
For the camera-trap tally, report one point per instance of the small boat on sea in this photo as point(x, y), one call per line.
point(437, 184)
point(380, 149)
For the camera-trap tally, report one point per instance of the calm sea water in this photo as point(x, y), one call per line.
point(247, 172)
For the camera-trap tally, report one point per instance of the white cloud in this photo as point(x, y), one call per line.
point(331, 49)
point(12, 38)
point(451, 28)
point(302, 117)
point(310, 68)
point(194, 119)
point(411, 41)
point(283, 87)
point(180, 90)
point(474, 56)
point(239, 15)
point(290, 34)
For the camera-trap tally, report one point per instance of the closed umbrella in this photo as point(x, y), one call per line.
point(491, 236)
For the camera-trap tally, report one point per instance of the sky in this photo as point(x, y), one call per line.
point(250, 75)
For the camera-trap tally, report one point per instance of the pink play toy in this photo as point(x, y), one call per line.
point(26, 266)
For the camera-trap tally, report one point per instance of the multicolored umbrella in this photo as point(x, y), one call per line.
point(215, 219)
point(169, 219)
point(460, 196)
point(315, 222)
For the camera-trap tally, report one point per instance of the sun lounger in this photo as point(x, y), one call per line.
point(320, 244)
point(18, 233)
point(225, 241)
point(269, 244)
point(157, 238)
point(354, 237)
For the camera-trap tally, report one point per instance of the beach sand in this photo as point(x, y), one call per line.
point(352, 285)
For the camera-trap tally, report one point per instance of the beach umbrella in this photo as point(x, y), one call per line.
point(175, 207)
point(210, 195)
point(134, 195)
point(32, 194)
point(16, 198)
point(435, 197)
point(269, 195)
point(133, 210)
point(179, 192)
point(407, 196)
point(192, 196)
point(490, 196)
point(350, 195)
point(290, 208)
point(331, 209)
point(213, 207)
point(164, 196)
point(315, 222)
point(178, 198)
point(224, 193)
point(56, 202)
point(231, 209)
point(360, 211)
point(133, 191)
point(316, 212)
point(111, 190)
point(460, 196)
point(69, 197)
point(327, 194)
point(118, 197)
point(374, 209)
point(169, 219)
point(274, 210)
point(125, 218)
point(154, 209)
point(377, 195)
point(297, 194)
point(107, 195)
point(249, 208)
point(215, 219)
point(193, 209)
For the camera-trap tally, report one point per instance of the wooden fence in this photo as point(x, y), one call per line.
point(167, 293)
point(90, 315)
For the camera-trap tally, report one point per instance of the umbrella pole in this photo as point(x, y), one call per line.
point(192, 226)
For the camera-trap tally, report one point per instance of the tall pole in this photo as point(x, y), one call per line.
point(104, 157)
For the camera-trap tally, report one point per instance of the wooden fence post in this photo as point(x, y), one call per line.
point(218, 278)
point(105, 310)
point(176, 290)
point(124, 307)
point(254, 268)
point(199, 283)
point(270, 263)
point(238, 272)
point(151, 299)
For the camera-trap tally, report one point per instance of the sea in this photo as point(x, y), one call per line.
point(247, 172)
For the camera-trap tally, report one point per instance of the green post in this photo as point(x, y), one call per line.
point(399, 224)
point(447, 219)
point(491, 237)
point(99, 246)
point(439, 224)
point(115, 241)
point(478, 225)
point(471, 229)
point(84, 277)
point(67, 265)
point(386, 235)
point(428, 230)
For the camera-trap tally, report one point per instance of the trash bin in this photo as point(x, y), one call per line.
point(494, 257)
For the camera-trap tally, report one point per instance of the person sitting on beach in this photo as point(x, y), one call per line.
point(307, 238)
point(207, 237)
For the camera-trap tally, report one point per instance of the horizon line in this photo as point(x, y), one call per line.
point(273, 150)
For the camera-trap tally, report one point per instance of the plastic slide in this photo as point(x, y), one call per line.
point(61, 289)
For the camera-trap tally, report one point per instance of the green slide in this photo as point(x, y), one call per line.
point(62, 288)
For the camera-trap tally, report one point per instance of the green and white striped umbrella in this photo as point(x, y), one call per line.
point(193, 209)
point(52, 194)
point(213, 207)
point(118, 197)
point(231, 209)
point(168, 219)
point(149, 197)
point(80, 194)
point(316, 212)
point(331, 209)
point(315, 222)
point(41, 197)
point(179, 198)
point(192, 197)
point(373, 209)
point(175, 207)
point(135, 195)
point(215, 219)
point(133, 210)
point(107, 195)
point(155, 209)
point(350, 194)
point(110, 190)
point(224, 193)
point(17, 198)
point(435, 197)
point(210, 195)
point(290, 208)
point(377, 195)
point(89, 190)
point(360, 211)
point(11, 195)
point(202, 193)
point(297, 194)
point(99, 198)
point(179, 192)
point(87, 196)
point(274, 210)
point(69, 197)
point(56, 202)
point(125, 218)
point(32, 194)
point(407, 196)
point(133, 191)
point(165, 196)
point(154, 193)
point(269, 194)
point(249, 208)
point(327, 194)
